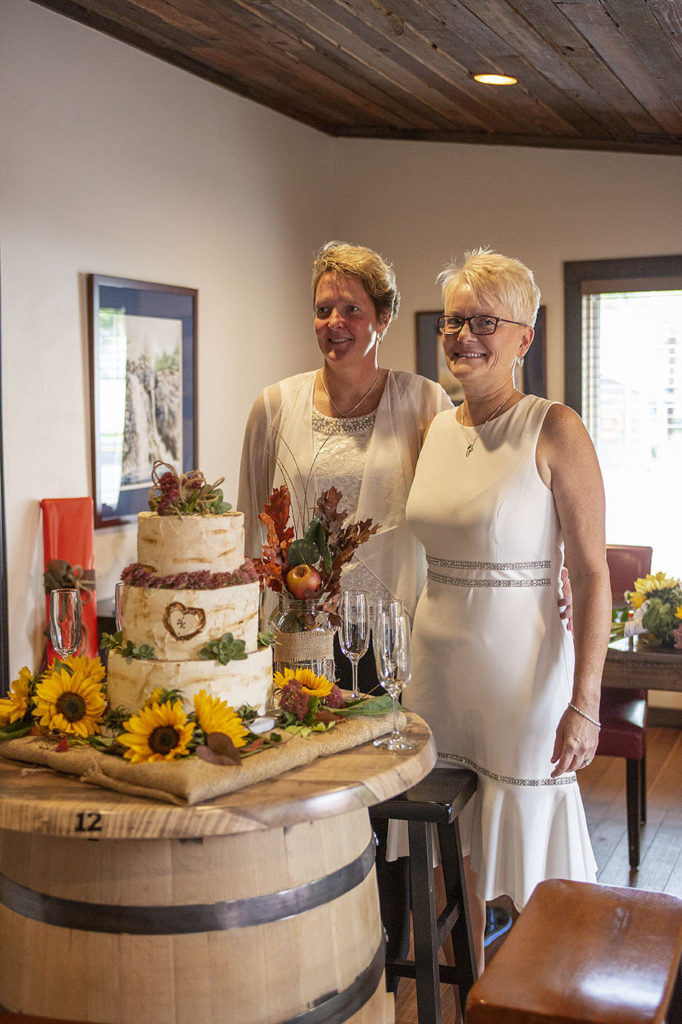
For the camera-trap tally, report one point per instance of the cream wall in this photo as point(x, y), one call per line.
point(114, 163)
point(429, 202)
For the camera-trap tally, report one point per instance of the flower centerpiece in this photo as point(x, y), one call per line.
point(68, 705)
point(310, 566)
point(305, 571)
point(657, 604)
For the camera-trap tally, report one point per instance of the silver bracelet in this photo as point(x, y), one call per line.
point(583, 715)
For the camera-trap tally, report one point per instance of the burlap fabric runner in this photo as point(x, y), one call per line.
point(191, 780)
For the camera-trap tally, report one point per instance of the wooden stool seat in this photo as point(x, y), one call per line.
point(586, 953)
point(438, 799)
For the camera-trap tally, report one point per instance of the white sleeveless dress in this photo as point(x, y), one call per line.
point(493, 662)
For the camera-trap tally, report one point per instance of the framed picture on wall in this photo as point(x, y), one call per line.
point(531, 379)
point(143, 389)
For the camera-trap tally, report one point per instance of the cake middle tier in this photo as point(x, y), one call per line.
point(178, 623)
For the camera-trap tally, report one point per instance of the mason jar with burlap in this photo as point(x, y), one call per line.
point(304, 637)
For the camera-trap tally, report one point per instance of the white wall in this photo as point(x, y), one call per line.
point(426, 203)
point(114, 163)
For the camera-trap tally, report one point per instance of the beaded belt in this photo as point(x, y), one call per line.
point(490, 574)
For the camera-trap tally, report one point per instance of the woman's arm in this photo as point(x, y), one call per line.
point(567, 463)
point(256, 472)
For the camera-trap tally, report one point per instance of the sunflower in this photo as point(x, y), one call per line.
point(318, 686)
point(70, 698)
point(651, 585)
point(159, 732)
point(14, 707)
point(214, 715)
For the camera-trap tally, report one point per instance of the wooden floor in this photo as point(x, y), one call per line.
point(603, 789)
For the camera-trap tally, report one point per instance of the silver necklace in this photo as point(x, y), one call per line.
point(471, 444)
point(335, 407)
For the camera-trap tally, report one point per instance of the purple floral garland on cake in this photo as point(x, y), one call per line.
point(138, 575)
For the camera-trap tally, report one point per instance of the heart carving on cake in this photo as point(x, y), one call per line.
point(183, 623)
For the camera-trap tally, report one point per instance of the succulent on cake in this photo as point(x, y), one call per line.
point(309, 566)
point(186, 495)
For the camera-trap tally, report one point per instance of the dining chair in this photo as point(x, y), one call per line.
point(623, 712)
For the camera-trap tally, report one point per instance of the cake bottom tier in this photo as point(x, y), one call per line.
point(130, 681)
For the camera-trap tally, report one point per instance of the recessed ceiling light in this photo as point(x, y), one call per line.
point(495, 79)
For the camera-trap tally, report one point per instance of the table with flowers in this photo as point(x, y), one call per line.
point(633, 663)
point(645, 652)
point(259, 906)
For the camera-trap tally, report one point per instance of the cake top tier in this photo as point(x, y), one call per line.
point(172, 544)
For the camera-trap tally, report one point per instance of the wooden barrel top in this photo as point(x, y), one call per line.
point(39, 800)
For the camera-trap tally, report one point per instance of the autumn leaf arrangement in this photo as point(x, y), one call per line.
point(309, 566)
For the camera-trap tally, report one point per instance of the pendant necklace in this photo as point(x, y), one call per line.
point(335, 407)
point(470, 444)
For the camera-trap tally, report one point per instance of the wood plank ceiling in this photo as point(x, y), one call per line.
point(592, 74)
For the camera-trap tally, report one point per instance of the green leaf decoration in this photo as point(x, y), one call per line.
point(224, 650)
point(303, 552)
point(266, 639)
point(142, 653)
point(367, 706)
point(13, 730)
point(218, 507)
point(111, 641)
point(247, 713)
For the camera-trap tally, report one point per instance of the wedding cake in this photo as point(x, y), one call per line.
point(187, 603)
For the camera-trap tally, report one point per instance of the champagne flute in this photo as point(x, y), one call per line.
point(118, 606)
point(391, 639)
point(354, 631)
point(65, 620)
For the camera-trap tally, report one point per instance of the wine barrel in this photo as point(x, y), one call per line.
point(276, 926)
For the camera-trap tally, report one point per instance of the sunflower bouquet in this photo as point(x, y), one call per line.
point(68, 704)
point(68, 701)
point(657, 604)
point(311, 703)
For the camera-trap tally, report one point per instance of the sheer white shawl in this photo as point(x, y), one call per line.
point(279, 448)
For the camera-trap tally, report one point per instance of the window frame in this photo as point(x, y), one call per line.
point(576, 273)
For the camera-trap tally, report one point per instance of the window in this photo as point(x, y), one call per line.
point(624, 377)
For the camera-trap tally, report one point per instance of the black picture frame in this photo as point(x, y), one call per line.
point(431, 361)
point(143, 389)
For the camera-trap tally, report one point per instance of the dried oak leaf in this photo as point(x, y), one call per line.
point(219, 749)
point(277, 511)
point(331, 518)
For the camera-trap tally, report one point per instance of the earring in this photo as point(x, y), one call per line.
point(519, 360)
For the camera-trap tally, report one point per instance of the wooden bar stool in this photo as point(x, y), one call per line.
point(581, 952)
point(438, 799)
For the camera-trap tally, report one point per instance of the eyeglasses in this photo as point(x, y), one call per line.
point(479, 324)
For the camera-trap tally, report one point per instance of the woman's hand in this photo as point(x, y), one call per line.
point(566, 600)
point(575, 743)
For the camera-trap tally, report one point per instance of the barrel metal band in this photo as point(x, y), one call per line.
point(337, 1007)
point(189, 918)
